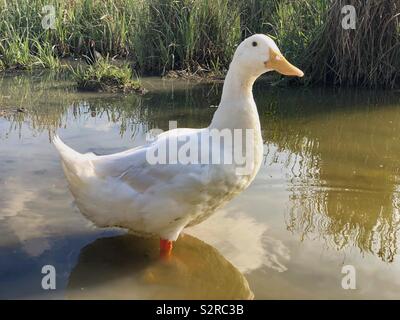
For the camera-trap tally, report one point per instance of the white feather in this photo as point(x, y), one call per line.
point(125, 190)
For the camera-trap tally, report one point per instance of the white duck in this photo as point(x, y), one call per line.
point(127, 190)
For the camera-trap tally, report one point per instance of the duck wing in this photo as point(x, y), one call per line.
point(136, 169)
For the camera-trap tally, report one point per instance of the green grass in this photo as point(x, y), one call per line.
point(25, 54)
point(104, 76)
point(201, 35)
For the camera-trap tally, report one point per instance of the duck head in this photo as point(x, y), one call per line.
point(259, 54)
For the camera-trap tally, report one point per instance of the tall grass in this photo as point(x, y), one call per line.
point(162, 35)
point(189, 34)
point(369, 55)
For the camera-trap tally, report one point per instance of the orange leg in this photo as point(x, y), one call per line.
point(165, 248)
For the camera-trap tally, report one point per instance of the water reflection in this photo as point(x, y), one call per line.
point(336, 156)
point(49, 102)
point(128, 267)
point(343, 147)
point(242, 240)
point(345, 171)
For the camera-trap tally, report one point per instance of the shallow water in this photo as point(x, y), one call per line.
point(326, 196)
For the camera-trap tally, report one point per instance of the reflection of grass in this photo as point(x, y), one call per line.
point(342, 155)
point(103, 76)
point(367, 220)
point(48, 99)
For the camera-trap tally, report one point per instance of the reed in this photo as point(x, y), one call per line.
point(369, 55)
point(201, 35)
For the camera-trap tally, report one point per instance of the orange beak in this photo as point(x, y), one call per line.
point(278, 63)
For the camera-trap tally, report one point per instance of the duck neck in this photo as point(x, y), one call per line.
point(237, 108)
point(237, 85)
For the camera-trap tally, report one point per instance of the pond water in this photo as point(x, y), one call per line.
point(327, 196)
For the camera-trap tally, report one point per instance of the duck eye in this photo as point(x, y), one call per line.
point(254, 44)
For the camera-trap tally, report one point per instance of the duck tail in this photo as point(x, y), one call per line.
point(67, 154)
point(73, 162)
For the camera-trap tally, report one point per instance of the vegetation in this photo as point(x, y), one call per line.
point(104, 76)
point(368, 55)
point(201, 35)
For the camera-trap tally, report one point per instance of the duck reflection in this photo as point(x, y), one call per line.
point(128, 267)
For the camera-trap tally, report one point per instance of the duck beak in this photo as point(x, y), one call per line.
point(278, 63)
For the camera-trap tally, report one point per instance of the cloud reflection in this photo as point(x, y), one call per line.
point(243, 241)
